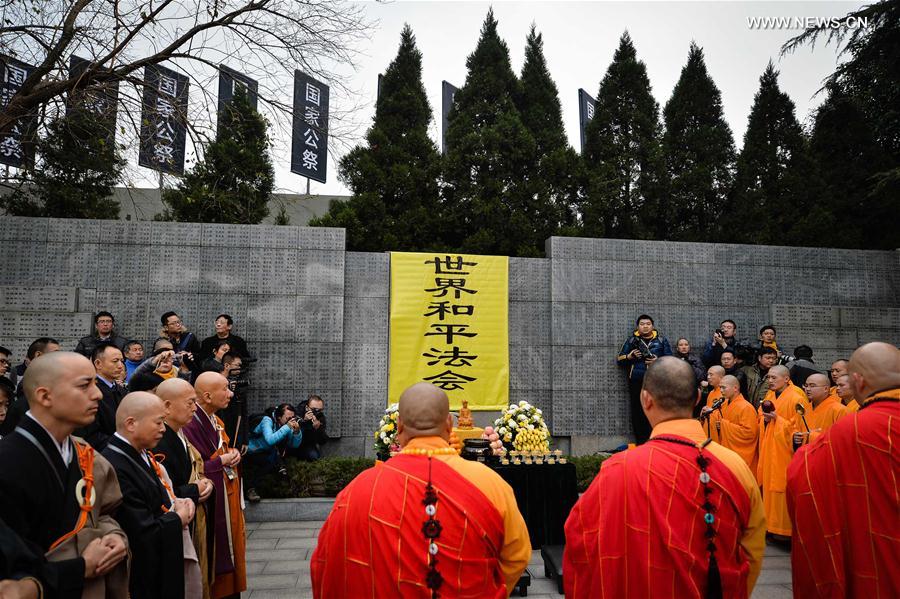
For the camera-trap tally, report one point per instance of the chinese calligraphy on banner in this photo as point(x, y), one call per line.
point(16, 146)
point(164, 120)
point(448, 92)
point(586, 106)
point(97, 100)
point(229, 80)
point(309, 142)
point(449, 326)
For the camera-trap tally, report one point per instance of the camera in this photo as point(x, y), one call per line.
point(720, 333)
point(239, 379)
point(316, 412)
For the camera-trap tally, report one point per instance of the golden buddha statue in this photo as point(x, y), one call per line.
point(464, 420)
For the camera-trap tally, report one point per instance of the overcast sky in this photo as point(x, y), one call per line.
point(579, 41)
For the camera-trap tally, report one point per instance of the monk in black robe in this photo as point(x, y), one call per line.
point(110, 366)
point(56, 493)
point(185, 468)
point(151, 515)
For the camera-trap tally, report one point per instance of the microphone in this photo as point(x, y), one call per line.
point(715, 406)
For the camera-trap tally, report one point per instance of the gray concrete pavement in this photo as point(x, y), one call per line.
point(278, 565)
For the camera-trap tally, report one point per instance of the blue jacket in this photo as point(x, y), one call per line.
point(265, 438)
point(657, 345)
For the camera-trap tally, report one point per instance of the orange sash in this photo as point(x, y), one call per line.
point(86, 463)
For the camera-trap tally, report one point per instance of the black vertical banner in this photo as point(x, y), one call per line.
point(98, 100)
point(164, 120)
point(448, 92)
point(17, 145)
point(586, 106)
point(228, 80)
point(378, 92)
point(309, 141)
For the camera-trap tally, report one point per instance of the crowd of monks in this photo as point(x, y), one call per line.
point(153, 513)
point(158, 513)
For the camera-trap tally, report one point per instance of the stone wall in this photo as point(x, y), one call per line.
point(317, 316)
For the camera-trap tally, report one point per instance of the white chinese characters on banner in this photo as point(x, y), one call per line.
point(309, 143)
point(13, 151)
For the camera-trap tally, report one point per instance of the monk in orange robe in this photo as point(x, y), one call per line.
point(776, 431)
point(641, 529)
point(842, 491)
point(845, 392)
point(838, 369)
point(424, 520)
point(713, 380)
point(734, 425)
point(206, 432)
point(826, 409)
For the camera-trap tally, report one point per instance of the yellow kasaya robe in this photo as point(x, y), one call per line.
point(775, 452)
point(852, 407)
point(736, 427)
point(824, 416)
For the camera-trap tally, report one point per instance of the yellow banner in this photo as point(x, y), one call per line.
point(449, 327)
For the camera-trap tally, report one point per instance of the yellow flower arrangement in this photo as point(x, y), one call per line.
point(386, 433)
point(522, 426)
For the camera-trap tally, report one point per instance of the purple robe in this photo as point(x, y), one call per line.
point(205, 438)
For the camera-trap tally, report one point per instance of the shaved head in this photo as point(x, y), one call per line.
point(780, 370)
point(171, 388)
point(180, 399)
point(424, 411)
point(62, 393)
point(873, 368)
point(141, 419)
point(714, 375)
point(817, 388)
point(136, 405)
point(672, 385)
point(47, 369)
point(213, 392)
point(730, 386)
point(207, 381)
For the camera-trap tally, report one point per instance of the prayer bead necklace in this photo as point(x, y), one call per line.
point(428, 452)
point(714, 578)
point(431, 528)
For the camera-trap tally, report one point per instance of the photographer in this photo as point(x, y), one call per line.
point(164, 364)
point(312, 424)
point(722, 338)
point(277, 432)
point(234, 417)
point(641, 349)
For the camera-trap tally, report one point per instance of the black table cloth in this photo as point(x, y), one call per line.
point(545, 494)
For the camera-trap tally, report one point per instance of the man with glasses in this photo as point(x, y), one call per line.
point(827, 409)
point(104, 332)
point(183, 341)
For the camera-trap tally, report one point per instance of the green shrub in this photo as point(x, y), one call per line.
point(586, 468)
point(322, 478)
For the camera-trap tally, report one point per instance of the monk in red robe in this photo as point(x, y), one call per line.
point(678, 517)
point(776, 448)
point(842, 491)
point(206, 433)
point(734, 424)
point(424, 520)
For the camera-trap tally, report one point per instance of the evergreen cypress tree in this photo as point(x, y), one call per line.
point(78, 171)
point(700, 154)
point(394, 178)
point(556, 166)
point(849, 157)
point(234, 180)
point(623, 154)
point(490, 194)
point(776, 191)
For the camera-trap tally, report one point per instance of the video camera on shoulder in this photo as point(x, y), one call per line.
point(239, 378)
